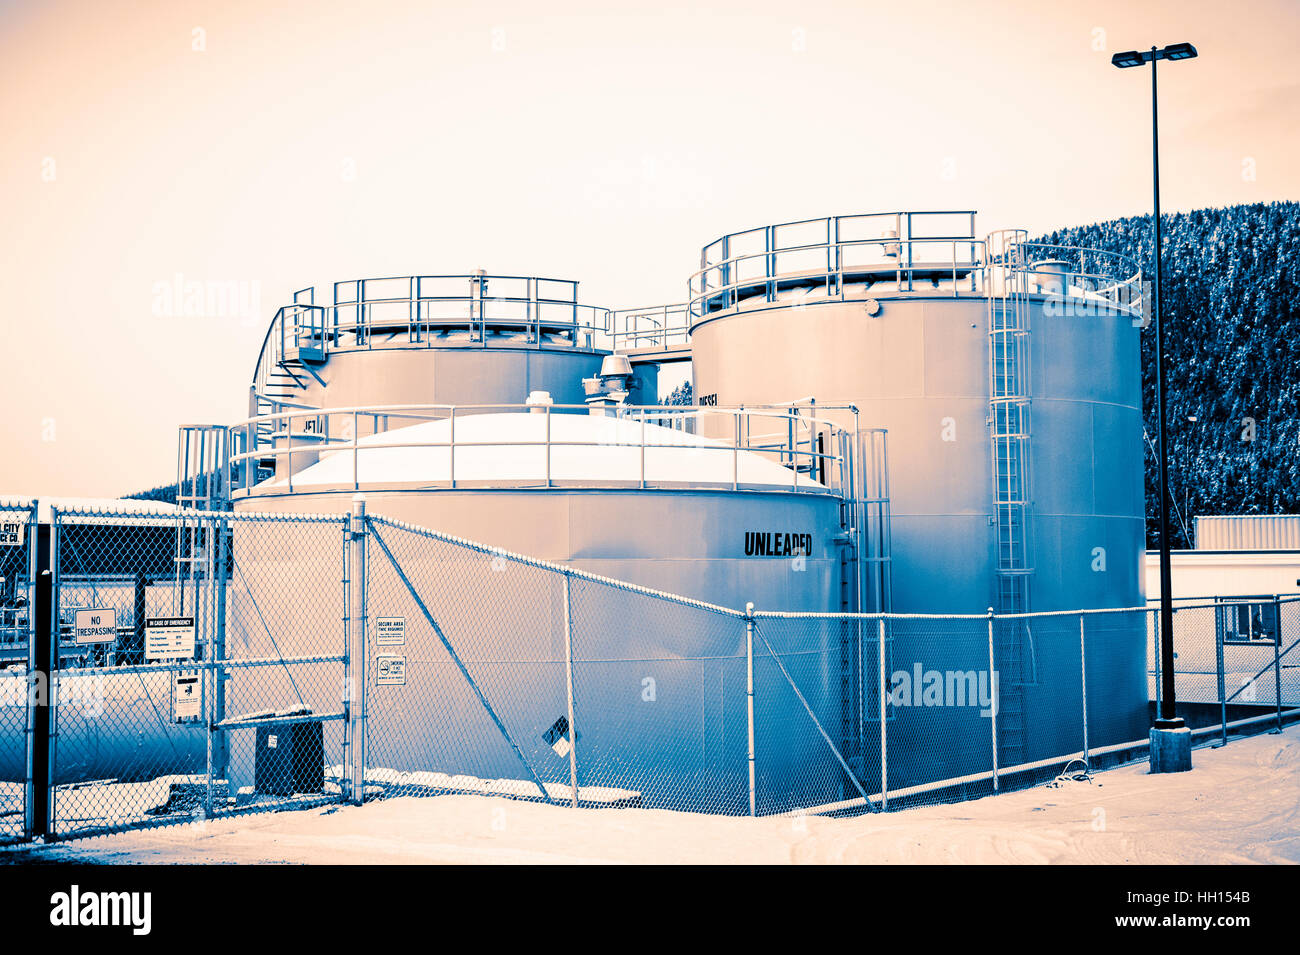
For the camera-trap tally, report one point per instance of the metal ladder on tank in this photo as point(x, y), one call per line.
point(1009, 425)
point(866, 586)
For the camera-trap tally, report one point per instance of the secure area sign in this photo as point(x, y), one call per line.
point(390, 670)
point(97, 625)
point(169, 638)
point(390, 631)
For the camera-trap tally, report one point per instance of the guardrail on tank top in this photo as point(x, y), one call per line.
point(854, 257)
point(195, 665)
point(799, 448)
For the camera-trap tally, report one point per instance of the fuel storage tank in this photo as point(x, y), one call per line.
point(626, 493)
point(905, 316)
point(1007, 375)
point(474, 339)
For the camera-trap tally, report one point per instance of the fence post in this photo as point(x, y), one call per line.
point(140, 609)
point(1277, 659)
point(568, 681)
point(29, 713)
point(1155, 629)
point(749, 695)
point(1083, 679)
point(1221, 677)
point(218, 755)
point(993, 710)
point(884, 712)
point(355, 668)
point(42, 665)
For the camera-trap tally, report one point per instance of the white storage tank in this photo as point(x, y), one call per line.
point(474, 339)
point(1008, 376)
point(617, 494)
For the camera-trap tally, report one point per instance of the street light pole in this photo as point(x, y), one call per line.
point(1179, 756)
point(1168, 700)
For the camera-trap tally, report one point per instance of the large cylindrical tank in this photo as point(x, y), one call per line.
point(463, 376)
point(438, 339)
point(896, 321)
point(659, 684)
point(919, 368)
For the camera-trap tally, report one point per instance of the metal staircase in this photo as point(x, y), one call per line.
point(1009, 426)
point(295, 343)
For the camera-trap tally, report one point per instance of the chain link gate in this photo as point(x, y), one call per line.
point(17, 617)
point(280, 695)
point(198, 668)
point(464, 672)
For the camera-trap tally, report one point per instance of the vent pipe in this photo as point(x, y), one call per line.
point(609, 389)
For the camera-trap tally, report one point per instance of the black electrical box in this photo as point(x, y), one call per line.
point(290, 758)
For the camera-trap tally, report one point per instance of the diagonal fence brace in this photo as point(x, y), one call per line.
point(816, 722)
point(374, 531)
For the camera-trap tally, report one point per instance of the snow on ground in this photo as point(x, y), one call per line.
point(1239, 804)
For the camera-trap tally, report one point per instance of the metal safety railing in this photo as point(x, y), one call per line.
point(1077, 280)
point(421, 306)
point(813, 453)
point(656, 327)
point(835, 256)
point(841, 257)
point(296, 333)
point(808, 260)
point(468, 310)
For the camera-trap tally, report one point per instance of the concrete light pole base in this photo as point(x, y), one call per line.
point(1171, 747)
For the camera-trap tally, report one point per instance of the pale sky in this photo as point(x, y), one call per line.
point(604, 142)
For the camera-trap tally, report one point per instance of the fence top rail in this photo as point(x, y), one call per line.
point(1253, 596)
point(1226, 600)
point(174, 515)
point(817, 615)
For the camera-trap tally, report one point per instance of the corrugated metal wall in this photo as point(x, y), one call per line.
point(1250, 532)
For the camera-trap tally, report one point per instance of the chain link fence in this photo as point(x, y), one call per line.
point(195, 665)
point(465, 669)
point(17, 596)
point(1288, 661)
point(1238, 652)
point(277, 689)
point(660, 700)
point(213, 663)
